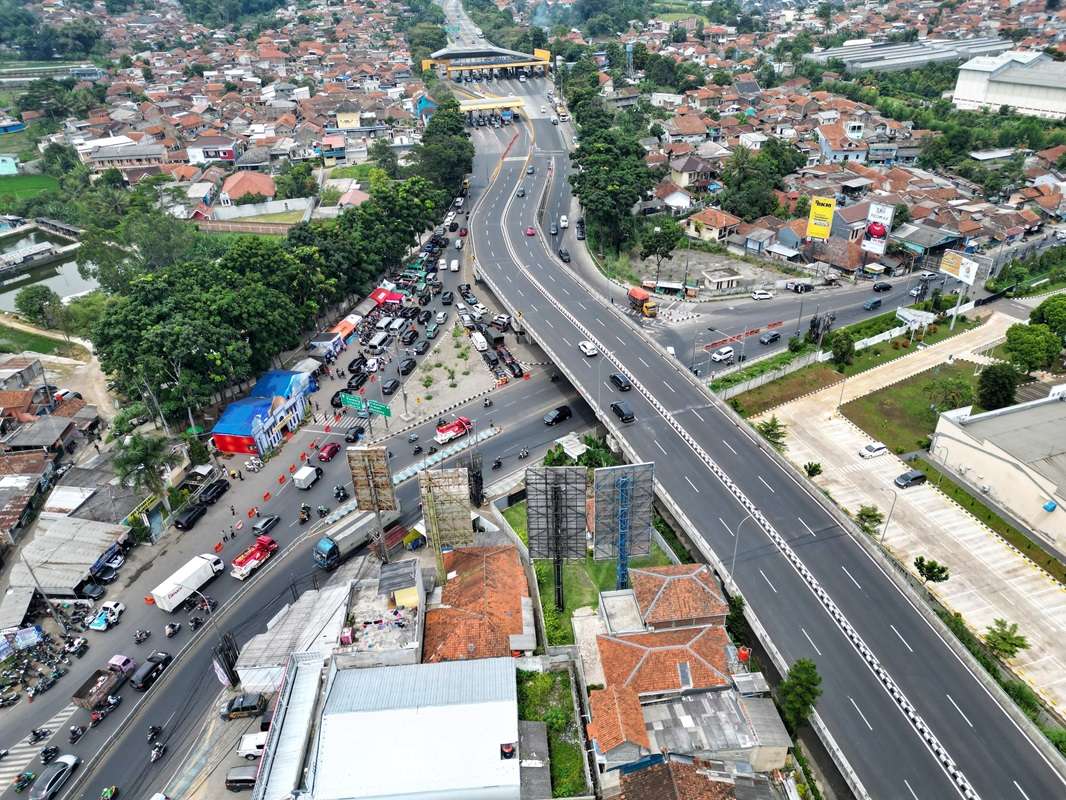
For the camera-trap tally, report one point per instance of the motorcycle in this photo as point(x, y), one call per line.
point(497, 463)
point(486, 403)
point(39, 735)
point(171, 629)
point(417, 450)
point(195, 623)
point(322, 512)
point(49, 754)
point(305, 515)
point(110, 793)
point(157, 752)
point(523, 453)
point(141, 636)
point(76, 732)
point(23, 780)
point(3, 754)
point(340, 493)
point(555, 377)
point(77, 647)
point(432, 449)
point(153, 733)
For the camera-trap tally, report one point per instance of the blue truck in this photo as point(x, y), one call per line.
point(347, 535)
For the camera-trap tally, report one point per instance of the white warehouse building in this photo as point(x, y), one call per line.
point(1029, 82)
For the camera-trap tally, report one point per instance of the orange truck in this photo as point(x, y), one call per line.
point(640, 300)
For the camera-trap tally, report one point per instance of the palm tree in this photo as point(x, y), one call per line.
point(140, 463)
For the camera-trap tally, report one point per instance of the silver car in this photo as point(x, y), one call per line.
point(53, 777)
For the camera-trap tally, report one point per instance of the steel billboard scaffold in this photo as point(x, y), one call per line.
point(373, 486)
point(446, 510)
point(622, 518)
point(557, 517)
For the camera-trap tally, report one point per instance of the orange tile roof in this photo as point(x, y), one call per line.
point(715, 218)
point(674, 780)
point(677, 592)
point(482, 605)
point(616, 718)
point(651, 663)
point(247, 182)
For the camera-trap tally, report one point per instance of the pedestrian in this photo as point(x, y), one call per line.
point(231, 533)
point(232, 511)
point(257, 512)
point(96, 446)
point(240, 475)
point(233, 474)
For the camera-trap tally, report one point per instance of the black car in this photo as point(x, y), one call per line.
point(447, 299)
point(490, 358)
point(770, 338)
point(189, 517)
point(621, 381)
point(105, 575)
point(554, 229)
point(424, 316)
point(580, 234)
point(150, 670)
point(910, 478)
point(245, 705)
point(623, 411)
point(407, 366)
point(453, 227)
point(564, 255)
point(354, 434)
point(409, 337)
point(357, 380)
point(557, 415)
point(390, 386)
point(516, 369)
point(882, 286)
point(357, 364)
point(422, 347)
point(91, 591)
point(214, 491)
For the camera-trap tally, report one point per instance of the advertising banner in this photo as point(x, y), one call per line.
point(878, 226)
point(957, 266)
point(820, 220)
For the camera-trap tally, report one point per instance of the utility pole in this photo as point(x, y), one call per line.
point(47, 602)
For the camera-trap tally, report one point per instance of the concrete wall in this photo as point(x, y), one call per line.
point(233, 213)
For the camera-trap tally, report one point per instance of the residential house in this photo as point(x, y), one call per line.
point(711, 225)
point(692, 172)
point(125, 157)
point(678, 596)
point(243, 183)
point(673, 197)
point(616, 729)
point(661, 664)
point(24, 479)
point(686, 128)
point(214, 148)
point(837, 146)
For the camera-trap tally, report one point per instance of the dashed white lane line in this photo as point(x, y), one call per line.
point(696, 414)
point(768, 581)
point(808, 527)
point(1021, 791)
point(690, 483)
point(726, 526)
point(642, 361)
point(671, 388)
point(909, 789)
point(868, 725)
point(548, 322)
point(764, 483)
point(727, 444)
point(900, 635)
point(857, 584)
point(809, 639)
point(949, 697)
point(660, 448)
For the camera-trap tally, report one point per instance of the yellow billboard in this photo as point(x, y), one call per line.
point(820, 220)
point(542, 55)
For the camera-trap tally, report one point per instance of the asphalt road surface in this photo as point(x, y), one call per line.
point(885, 750)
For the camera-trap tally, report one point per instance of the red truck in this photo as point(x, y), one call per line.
point(458, 427)
point(253, 558)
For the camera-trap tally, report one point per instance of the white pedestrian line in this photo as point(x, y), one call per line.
point(949, 697)
point(868, 725)
point(909, 789)
point(727, 444)
point(859, 585)
point(20, 755)
point(696, 414)
point(726, 526)
point(809, 639)
point(808, 527)
point(764, 483)
point(767, 581)
point(900, 635)
point(690, 483)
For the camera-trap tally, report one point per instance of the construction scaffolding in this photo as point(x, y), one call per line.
point(446, 510)
point(556, 517)
point(373, 486)
point(622, 519)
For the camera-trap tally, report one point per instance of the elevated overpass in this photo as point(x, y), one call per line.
point(459, 59)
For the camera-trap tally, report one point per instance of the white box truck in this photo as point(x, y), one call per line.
point(305, 477)
point(197, 572)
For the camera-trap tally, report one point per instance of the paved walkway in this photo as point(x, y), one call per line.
point(989, 578)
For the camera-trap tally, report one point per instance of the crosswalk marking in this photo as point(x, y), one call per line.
point(21, 755)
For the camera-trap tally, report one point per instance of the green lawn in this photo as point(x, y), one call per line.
point(24, 186)
point(546, 697)
point(793, 385)
point(899, 415)
point(13, 340)
point(989, 517)
point(359, 172)
point(23, 143)
point(516, 516)
point(286, 217)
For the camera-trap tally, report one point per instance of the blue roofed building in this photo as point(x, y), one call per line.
point(257, 424)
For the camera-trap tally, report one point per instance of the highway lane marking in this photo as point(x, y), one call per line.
point(900, 635)
point(671, 388)
point(949, 697)
point(808, 527)
point(619, 340)
point(570, 345)
point(548, 322)
point(551, 277)
point(564, 291)
point(520, 293)
point(581, 306)
point(642, 361)
point(604, 324)
point(809, 639)
point(726, 526)
point(909, 789)
point(696, 414)
point(660, 448)
point(851, 576)
point(690, 483)
point(1021, 791)
point(868, 725)
point(767, 581)
point(534, 307)
point(764, 483)
point(727, 444)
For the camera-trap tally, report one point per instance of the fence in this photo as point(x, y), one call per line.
point(237, 212)
point(267, 228)
point(769, 377)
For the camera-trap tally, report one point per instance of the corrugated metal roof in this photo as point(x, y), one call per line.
point(484, 680)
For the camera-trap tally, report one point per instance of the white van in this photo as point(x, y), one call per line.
point(480, 344)
point(458, 244)
point(397, 325)
point(564, 222)
point(442, 264)
point(251, 745)
point(383, 324)
point(455, 265)
point(377, 343)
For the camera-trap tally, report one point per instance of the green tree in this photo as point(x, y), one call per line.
point(803, 207)
point(140, 462)
point(930, 570)
point(35, 302)
point(949, 393)
point(296, 180)
point(902, 214)
point(446, 154)
point(996, 386)
point(659, 242)
point(773, 431)
point(382, 154)
point(1052, 312)
point(1004, 640)
point(1032, 347)
point(813, 469)
point(843, 348)
point(799, 691)
point(869, 517)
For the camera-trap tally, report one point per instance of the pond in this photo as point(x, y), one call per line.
point(61, 277)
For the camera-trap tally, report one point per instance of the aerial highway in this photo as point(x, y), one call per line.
point(907, 714)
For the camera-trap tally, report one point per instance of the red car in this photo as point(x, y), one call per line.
point(328, 451)
point(530, 231)
point(463, 231)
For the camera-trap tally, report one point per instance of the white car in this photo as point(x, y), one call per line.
point(543, 110)
point(441, 318)
point(873, 450)
point(762, 294)
point(722, 354)
point(480, 308)
point(588, 348)
point(371, 365)
point(442, 264)
point(915, 292)
point(455, 265)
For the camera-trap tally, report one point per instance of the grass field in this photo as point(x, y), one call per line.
point(796, 384)
point(290, 217)
point(546, 697)
point(23, 186)
point(675, 16)
point(516, 516)
point(360, 172)
point(13, 340)
point(900, 415)
point(870, 357)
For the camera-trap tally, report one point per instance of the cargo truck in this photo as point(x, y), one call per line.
point(253, 558)
point(193, 576)
point(103, 682)
point(640, 300)
point(305, 477)
point(348, 535)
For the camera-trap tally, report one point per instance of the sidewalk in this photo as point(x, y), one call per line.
point(989, 578)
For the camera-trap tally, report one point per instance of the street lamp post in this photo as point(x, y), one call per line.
point(736, 542)
point(895, 497)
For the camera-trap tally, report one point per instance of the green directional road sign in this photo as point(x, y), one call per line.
point(352, 401)
point(379, 408)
